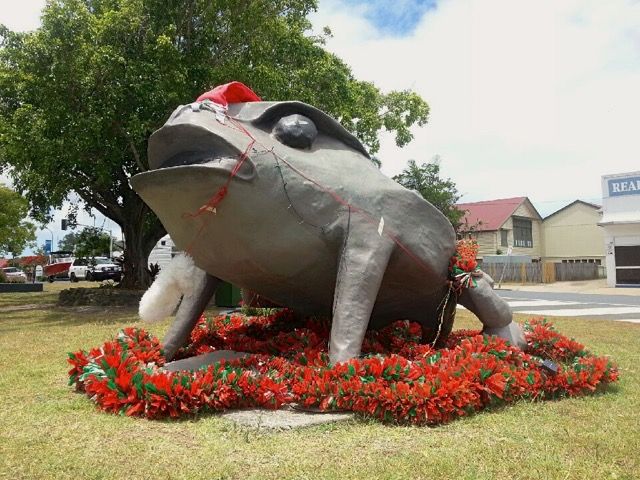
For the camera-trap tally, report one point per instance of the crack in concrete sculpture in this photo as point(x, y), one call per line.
point(306, 221)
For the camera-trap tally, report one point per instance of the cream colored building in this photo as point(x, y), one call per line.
point(572, 234)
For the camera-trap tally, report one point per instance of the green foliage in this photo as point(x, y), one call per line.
point(80, 96)
point(441, 193)
point(92, 242)
point(68, 242)
point(15, 232)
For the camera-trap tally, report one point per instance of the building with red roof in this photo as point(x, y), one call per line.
point(569, 235)
point(503, 223)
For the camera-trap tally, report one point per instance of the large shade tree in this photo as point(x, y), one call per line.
point(80, 96)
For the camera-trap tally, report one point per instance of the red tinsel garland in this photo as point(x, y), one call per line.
point(398, 379)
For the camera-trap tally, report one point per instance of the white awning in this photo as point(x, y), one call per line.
point(618, 218)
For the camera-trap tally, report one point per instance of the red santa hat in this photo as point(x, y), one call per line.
point(234, 92)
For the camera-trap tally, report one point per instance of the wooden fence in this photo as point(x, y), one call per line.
point(546, 272)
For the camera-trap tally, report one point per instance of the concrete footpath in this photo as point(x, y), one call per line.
point(594, 287)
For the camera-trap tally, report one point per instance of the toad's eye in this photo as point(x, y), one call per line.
point(296, 131)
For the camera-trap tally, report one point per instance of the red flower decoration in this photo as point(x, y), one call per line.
point(398, 380)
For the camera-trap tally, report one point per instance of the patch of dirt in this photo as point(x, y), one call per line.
point(29, 306)
point(99, 297)
point(285, 418)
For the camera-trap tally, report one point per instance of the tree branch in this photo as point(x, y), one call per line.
point(136, 155)
point(108, 209)
point(132, 146)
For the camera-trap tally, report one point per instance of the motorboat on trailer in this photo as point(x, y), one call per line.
point(59, 265)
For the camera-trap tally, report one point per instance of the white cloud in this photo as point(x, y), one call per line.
point(21, 15)
point(527, 98)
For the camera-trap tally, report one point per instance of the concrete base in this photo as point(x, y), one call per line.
point(285, 418)
point(20, 287)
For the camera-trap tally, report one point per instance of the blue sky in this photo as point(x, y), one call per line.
point(395, 18)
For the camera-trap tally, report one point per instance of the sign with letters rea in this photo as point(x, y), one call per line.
point(624, 186)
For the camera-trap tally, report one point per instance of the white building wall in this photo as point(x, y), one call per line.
point(620, 216)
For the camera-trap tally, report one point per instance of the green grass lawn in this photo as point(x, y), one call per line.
point(48, 431)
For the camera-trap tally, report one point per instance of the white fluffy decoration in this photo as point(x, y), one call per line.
point(175, 280)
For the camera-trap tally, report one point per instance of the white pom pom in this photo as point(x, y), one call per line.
point(173, 281)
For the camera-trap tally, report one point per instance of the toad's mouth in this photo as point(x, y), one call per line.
point(183, 172)
point(187, 144)
point(178, 194)
point(226, 162)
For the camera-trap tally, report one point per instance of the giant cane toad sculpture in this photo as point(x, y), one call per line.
point(278, 198)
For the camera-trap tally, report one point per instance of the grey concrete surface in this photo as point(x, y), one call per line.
point(584, 305)
point(595, 287)
point(283, 419)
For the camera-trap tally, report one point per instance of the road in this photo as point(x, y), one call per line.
point(624, 308)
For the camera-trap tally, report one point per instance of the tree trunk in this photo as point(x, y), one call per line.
point(138, 243)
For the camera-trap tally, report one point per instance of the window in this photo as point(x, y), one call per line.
point(522, 232)
point(628, 264)
point(163, 243)
point(504, 238)
point(627, 256)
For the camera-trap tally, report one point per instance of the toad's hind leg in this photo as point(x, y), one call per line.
point(494, 312)
point(361, 267)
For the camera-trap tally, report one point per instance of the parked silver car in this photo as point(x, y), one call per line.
point(14, 275)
